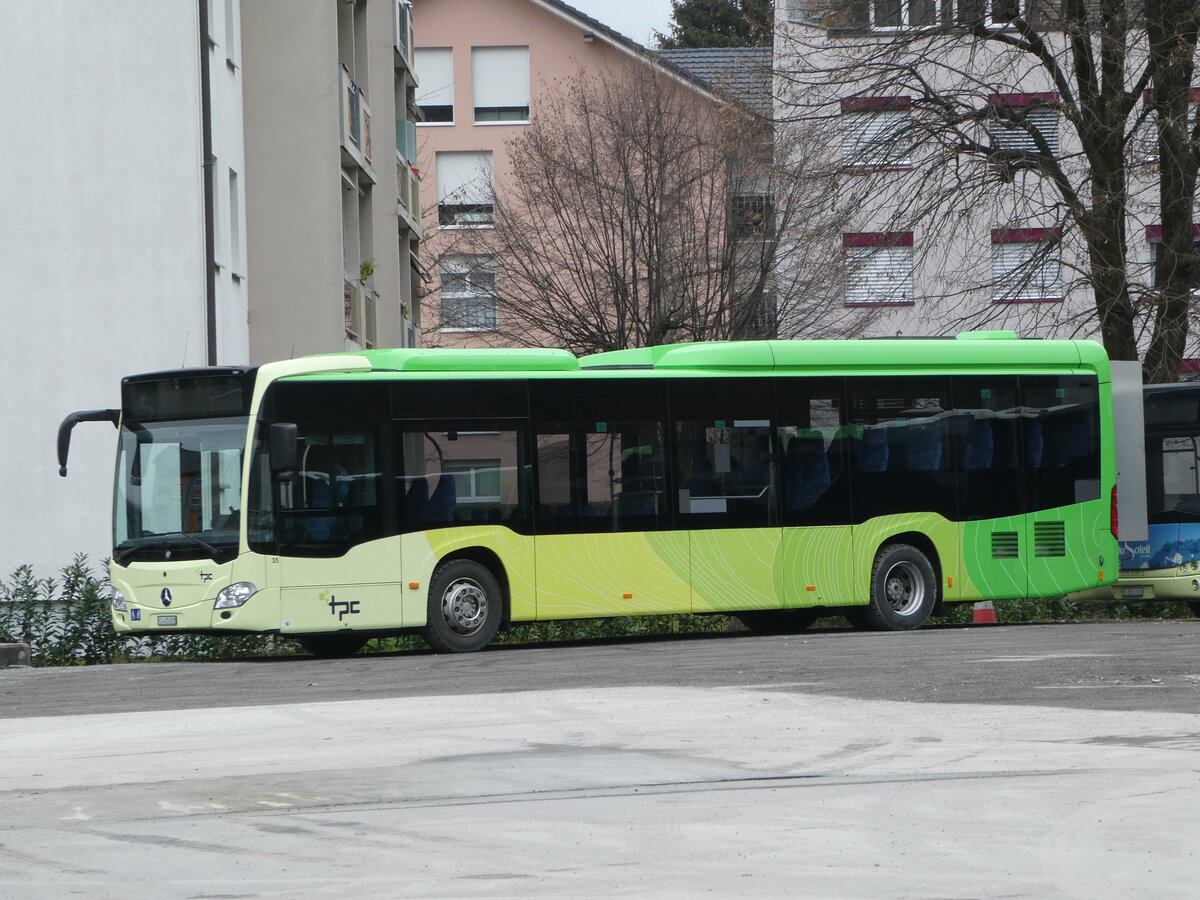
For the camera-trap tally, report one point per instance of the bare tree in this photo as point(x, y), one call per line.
point(988, 82)
point(643, 212)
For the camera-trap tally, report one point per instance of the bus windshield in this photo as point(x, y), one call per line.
point(178, 489)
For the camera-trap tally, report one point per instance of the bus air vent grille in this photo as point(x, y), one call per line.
point(1049, 539)
point(1005, 545)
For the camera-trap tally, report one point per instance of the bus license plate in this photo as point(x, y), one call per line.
point(174, 620)
point(1132, 592)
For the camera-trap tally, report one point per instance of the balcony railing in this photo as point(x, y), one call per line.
point(356, 120)
point(402, 31)
point(352, 308)
point(408, 191)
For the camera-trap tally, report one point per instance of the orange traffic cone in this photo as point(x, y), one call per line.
point(985, 614)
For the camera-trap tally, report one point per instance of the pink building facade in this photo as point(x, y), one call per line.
point(484, 70)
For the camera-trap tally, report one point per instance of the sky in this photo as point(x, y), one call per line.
point(633, 18)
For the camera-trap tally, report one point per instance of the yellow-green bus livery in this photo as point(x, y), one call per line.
point(453, 492)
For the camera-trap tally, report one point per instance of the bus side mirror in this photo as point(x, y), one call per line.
point(283, 439)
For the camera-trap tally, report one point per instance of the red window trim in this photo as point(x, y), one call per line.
point(1018, 100)
point(1027, 300)
point(1155, 232)
point(1148, 95)
point(877, 239)
point(855, 304)
point(1024, 235)
point(877, 104)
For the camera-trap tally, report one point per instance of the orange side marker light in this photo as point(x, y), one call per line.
point(414, 585)
point(811, 587)
point(627, 596)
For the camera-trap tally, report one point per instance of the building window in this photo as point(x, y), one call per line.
point(235, 225)
point(752, 215)
point(1026, 265)
point(1015, 118)
point(464, 185)
point(989, 12)
point(476, 480)
point(874, 132)
point(233, 49)
point(1146, 143)
point(435, 80)
point(468, 293)
point(879, 268)
point(886, 15)
point(1154, 236)
point(500, 84)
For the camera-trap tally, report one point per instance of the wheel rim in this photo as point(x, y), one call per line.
point(465, 606)
point(904, 588)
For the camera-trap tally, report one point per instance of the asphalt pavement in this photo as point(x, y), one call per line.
point(1032, 761)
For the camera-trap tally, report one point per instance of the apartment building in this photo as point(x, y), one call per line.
point(485, 70)
point(120, 254)
point(332, 198)
point(943, 241)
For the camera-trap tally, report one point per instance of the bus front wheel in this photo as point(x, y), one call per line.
point(465, 607)
point(903, 589)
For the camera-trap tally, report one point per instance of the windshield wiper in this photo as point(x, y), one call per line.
point(128, 549)
point(216, 552)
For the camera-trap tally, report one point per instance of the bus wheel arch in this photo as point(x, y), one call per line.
point(467, 601)
point(905, 584)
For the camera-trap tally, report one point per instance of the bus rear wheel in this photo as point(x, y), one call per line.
point(465, 607)
point(903, 589)
point(777, 621)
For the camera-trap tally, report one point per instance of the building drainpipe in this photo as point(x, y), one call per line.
point(210, 241)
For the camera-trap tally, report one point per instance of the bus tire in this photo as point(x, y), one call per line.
point(777, 621)
point(465, 607)
point(333, 646)
point(1194, 606)
point(904, 589)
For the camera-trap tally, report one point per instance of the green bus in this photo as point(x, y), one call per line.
point(452, 492)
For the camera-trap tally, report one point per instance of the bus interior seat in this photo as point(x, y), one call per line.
point(441, 504)
point(1004, 442)
point(756, 468)
point(807, 468)
point(979, 446)
point(871, 453)
point(923, 445)
point(414, 499)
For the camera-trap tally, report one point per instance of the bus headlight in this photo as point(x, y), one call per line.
point(235, 595)
point(118, 600)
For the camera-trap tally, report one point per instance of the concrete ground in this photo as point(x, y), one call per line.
point(621, 791)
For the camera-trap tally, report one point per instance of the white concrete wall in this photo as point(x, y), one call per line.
point(228, 148)
point(101, 246)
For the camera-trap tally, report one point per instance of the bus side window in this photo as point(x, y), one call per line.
point(600, 476)
point(814, 476)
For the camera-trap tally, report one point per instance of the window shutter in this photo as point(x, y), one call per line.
point(874, 138)
point(879, 274)
point(1024, 271)
point(464, 177)
point(1045, 121)
point(500, 77)
point(435, 76)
